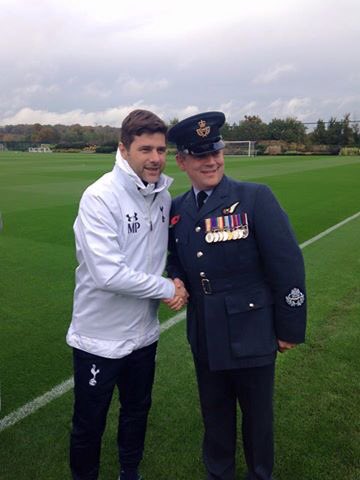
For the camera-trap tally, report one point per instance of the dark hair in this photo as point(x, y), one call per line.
point(139, 122)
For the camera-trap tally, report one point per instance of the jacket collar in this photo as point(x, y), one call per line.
point(132, 181)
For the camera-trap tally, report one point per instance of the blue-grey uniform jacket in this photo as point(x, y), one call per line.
point(244, 293)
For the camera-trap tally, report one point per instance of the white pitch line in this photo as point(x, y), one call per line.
point(172, 321)
point(39, 402)
point(329, 230)
point(68, 384)
point(63, 387)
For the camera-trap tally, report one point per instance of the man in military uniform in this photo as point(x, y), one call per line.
point(232, 245)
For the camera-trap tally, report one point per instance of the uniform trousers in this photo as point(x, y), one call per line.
point(95, 379)
point(219, 392)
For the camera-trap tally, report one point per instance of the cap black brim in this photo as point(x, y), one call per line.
point(204, 148)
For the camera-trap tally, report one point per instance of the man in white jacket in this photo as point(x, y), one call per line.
point(121, 234)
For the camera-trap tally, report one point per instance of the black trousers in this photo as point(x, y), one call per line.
point(219, 392)
point(95, 379)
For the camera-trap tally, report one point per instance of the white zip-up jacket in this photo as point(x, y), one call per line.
point(121, 234)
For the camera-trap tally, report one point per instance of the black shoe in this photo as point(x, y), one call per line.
point(138, 478)
point(123, 476)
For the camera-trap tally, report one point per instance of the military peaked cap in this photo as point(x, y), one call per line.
point(199, 134)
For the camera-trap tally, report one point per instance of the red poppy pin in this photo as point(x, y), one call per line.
point(174, 220)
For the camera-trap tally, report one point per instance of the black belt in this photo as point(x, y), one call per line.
point(209, 286)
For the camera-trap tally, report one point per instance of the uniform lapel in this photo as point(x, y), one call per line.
point(216, 199)
point(189, 204)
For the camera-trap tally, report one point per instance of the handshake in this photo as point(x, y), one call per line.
point(180, 298)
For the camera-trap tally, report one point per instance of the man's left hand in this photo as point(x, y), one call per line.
point(284, 346)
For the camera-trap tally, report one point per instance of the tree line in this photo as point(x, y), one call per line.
point(334, 132)
point(340, 133)
point(62, 137)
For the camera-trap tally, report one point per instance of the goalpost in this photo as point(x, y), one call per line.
point(240, 147)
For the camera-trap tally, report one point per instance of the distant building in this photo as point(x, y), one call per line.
point(42, 149)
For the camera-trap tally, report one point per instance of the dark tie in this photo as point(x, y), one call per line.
point(201, 197)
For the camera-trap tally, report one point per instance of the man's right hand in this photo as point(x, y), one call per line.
point(180, 298)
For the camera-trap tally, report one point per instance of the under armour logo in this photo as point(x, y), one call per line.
point(94, 372)
point(162, 214)
point(132, 218)
point(133, 225)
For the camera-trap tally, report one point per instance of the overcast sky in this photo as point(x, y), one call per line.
point(92, 61)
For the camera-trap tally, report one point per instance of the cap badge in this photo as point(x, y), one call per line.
point(203, 131)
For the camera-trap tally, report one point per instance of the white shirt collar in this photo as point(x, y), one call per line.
point(196, 191)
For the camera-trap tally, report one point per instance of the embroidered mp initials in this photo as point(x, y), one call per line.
point(133, 224)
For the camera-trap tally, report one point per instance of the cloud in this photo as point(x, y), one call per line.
point(86, 61)
point(235, 112)
point(134, 87)
point(16, 97)
point(274, 74)
point(342, 102)
point(186, 112)
point(110, 116)
point(340, 106)
point(301, 108)
point(36, 89)
point(95, 89)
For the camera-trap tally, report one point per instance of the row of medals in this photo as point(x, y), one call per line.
point(239, 228)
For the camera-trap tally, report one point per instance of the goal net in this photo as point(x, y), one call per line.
point(240, 147)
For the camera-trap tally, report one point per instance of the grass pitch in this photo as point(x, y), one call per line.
point(317, 389)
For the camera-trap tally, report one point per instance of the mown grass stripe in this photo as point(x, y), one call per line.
point(329, 230)
point(39, 402)
point(68, 384)
point(63, 387)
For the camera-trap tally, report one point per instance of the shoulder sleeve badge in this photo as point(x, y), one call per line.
point(295, 298)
